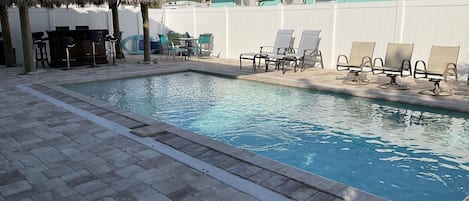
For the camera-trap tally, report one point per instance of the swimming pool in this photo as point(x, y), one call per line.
point(400, 152)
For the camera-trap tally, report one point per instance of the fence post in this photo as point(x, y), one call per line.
point(282, 16)
point(194, 17)
point(227, 33)
point(400, 17)
point(109, 21)
point(51, 13)
point(333, 13)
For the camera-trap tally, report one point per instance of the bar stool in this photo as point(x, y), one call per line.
point(66, 42)
point(112, 48)
point(119, 53)
point(40, 50)
point(94, 37)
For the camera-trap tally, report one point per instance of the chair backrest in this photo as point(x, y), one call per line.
point(163, 39)
point(64, 41)
point(94, 36)
point(398, 52)
point(37, 35)
point(62, 28)
point(283, 39)
point(85, 27)
point(205, 38)
point(440, 56)
point(309, 41)
point(360, 50)
point(174, 38)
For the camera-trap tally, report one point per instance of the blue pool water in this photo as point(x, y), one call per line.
point(397, 151)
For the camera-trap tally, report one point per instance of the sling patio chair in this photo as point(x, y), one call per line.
point(203, 46)
point(282, 42)
point(396, 63)
point(360, 60)
point(308, 49)
point(442, 63)
point(170, 47)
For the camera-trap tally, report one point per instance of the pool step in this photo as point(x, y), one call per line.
point(151, 130)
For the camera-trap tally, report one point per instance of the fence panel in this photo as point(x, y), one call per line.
point(213, 21)
point(438, 23)
point(312, 17)
point(244, 29)
point(250, 28)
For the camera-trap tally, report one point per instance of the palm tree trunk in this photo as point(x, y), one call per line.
point(146, 33)
point(7, 46)
point(116, 28)
point(27, 38)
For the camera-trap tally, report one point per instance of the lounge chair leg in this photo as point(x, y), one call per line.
point(356, 79)
point(254, 64)
point(283, 67)
point(393, 84)
point(437, 90)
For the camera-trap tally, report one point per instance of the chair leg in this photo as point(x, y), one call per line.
point(393, 83)
point(93, 45)
point(67, 52)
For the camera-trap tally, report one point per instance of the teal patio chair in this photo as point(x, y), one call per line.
point(169, 47)
point(204, 45)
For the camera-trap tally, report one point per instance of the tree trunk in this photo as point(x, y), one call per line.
point(146, 33)
point(27, 39)
point(7, 46)
point(117, 29)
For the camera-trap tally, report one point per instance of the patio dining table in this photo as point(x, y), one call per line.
point(188, 44)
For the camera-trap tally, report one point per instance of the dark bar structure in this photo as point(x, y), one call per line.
point(81, 54)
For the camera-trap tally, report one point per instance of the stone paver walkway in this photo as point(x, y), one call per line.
point(49, 153)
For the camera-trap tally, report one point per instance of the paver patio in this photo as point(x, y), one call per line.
point(48, 152)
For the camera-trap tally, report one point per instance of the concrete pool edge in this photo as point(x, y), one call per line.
point(445, 103)
point(340, 191)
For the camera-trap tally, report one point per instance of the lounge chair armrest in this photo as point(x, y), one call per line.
point(342, 56)
point(310, 52)
point(451, 67)
point(282, 50)
point(374, 64)
point(406, 65)
point(367, 61)
point(416, 68)
point(264, 47)
point(338, 60)
point(381, 63)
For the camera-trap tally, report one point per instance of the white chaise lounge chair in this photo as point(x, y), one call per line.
point(282, 42)
point(308, 49)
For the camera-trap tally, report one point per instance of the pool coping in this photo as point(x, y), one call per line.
point(290, 177)
point(438, 102)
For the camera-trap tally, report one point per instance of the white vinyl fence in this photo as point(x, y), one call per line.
point(244, 29)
